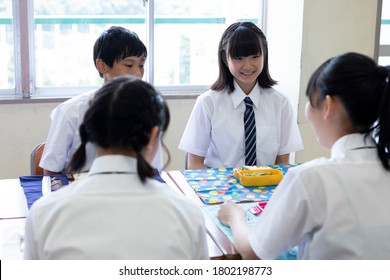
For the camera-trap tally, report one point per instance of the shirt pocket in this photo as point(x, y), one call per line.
point(266, 141)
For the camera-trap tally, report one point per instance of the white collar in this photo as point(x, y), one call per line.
point(113, 163)
point(238, 95)
point(353, 141)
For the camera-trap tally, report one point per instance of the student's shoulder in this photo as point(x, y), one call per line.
point(162, 188)
point(77, 101)
point(174, 197)
point(310, 167)
point(275, 97)
point(273, 93)
point(53, 200)
point(212, 96)
point(73, 107)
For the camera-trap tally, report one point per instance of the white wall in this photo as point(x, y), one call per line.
point(284, 36)
point(330, 27)
point(23, 126)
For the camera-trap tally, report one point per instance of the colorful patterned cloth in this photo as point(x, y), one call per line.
point(32, 185)
point(212, 212)
point(217, 185)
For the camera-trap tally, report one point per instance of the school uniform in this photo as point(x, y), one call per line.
point(215, 129)
point(64, 137)
point(108, 215)
point(336, 208)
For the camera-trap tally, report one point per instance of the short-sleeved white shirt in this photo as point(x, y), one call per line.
point(115, 216)
point(64, 137)
point(336, 208)
point(215, 129)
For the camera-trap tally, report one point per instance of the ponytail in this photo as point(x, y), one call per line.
point(364, 89)
point(79, 157)
point(122, 115)
point(143, 168)
point(383, 126)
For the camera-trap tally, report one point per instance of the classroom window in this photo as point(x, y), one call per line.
point(7, 65)
point(57, 61)
point(181, 36)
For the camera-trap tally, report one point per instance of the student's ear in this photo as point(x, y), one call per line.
point(152, 137)
point(330, 107)
point(150, 149)
point(101, 66)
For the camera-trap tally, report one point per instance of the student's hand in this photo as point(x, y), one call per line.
point(195, 162)
point(50, 173)
point(282, 159)
point(233, 216)
point(230, 211)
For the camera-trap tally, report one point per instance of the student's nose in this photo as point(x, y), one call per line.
point(247, 62)
point(139, 72)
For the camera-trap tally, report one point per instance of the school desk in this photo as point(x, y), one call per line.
point(13, 213)
point(211, 187)
point(215, 252)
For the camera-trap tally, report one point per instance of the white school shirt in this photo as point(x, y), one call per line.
point(64, 136)
point(336, 208)
point(115, 216)
point(215, 129)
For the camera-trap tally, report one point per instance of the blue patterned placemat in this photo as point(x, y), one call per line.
point(217, 185)
point(212, 212)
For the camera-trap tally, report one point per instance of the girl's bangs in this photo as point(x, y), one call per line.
point(244, 43)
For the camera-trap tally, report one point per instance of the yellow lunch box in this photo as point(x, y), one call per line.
point(259, 177)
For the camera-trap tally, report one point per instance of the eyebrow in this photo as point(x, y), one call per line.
point(129, 59)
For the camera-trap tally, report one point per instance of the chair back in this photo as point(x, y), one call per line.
point(35, 158)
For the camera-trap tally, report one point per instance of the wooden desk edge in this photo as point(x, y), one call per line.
point(215, 252)
point(218, 236)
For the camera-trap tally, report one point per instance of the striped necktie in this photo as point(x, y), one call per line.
point(250, 133)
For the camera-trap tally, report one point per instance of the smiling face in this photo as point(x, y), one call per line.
point(245, 70)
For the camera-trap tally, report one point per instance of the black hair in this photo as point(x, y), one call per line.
point(117, 43)
point(241, 39)
point(363, 88)
point(122, 115)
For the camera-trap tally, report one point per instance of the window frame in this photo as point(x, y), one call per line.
point(383, 49)
point(24, 54)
